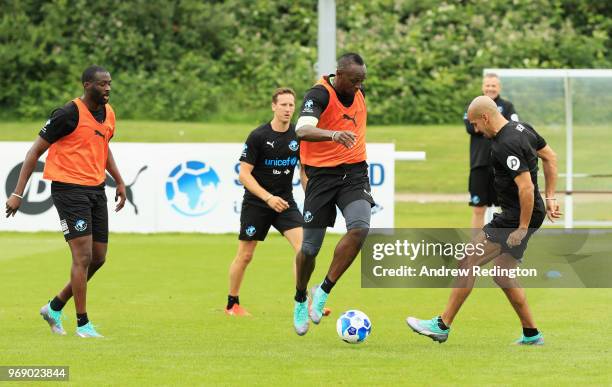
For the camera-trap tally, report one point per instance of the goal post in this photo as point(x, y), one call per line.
point(545, 97)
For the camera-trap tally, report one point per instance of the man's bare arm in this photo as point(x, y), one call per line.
point(39, 147)
point(549, 164)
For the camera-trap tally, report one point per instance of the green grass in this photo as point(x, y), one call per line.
point(432, 215)
point(159, 301)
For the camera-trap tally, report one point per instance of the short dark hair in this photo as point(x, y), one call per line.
point(89, 75)
point(348, 59)
point(280, 91)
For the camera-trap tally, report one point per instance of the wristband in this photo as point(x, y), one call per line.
point(550, 198)
point(268, 198)
point(19, 196)
point(333, 135)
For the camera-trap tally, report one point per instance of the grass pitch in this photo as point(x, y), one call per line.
point(159, 301)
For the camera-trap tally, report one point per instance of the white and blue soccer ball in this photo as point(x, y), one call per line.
point(354, 326)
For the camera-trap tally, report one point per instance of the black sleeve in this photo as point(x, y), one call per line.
point(315, 102)
point(511, 154)
point(250, 152)
point(62, 122)
point(510, 113)
point(540, 141)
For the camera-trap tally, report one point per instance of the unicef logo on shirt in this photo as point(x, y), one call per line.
point(293, 145)
point(192, 188)
point(289, 161)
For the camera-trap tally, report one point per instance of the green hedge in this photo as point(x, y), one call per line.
point(220, 60)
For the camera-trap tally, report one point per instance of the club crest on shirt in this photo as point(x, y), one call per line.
point(308, 105)
point(293, 145)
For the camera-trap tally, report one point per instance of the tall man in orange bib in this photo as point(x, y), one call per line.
point(332, 128)
point(77, 137)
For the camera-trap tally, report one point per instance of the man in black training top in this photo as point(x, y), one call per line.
point(515, 149)
point(482, 193)
point(77, 136)
point(268, 160)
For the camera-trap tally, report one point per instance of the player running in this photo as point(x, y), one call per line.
point(268, 160)
point(515, 149)
point(77, 136)
point(332, 128)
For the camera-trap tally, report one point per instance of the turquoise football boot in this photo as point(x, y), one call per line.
point(429, 328)
point(533, 340)
point(319, 297)
point(88, 330)
point(300, 318)
point(53, 318)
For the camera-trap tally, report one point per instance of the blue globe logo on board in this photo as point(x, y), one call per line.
point(192, 188)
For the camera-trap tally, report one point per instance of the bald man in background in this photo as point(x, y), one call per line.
point(480, 185)
point(515, 149)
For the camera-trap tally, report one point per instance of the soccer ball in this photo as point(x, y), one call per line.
point(353, 326)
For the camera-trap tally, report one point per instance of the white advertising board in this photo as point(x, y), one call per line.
point(175, 187)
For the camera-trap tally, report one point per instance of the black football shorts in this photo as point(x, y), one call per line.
point(502, 225)
point(481, 187)
point(82, 210)
point(329, 187)
point(255, 221)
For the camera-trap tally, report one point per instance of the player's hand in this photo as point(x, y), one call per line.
point(120, 195)
point(278, 204)
point(552, 209)
point(516, 237)
point(12, 205)
point(346, 138)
